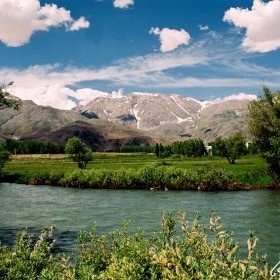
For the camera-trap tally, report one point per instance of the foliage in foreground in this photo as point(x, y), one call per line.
point(157, 177)
point(197, 252)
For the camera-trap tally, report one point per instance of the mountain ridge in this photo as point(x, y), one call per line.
point(107, 123)
point(172, 114)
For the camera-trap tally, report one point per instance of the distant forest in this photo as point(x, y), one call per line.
point(34, 147)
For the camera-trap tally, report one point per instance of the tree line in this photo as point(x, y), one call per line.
point(189, 148)
point(34, 147)
point(231, 148)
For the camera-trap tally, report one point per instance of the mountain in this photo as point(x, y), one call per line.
point(222, 118)
point(48, 124)
point(32, 121)
point(171, 115)
point(109, 122)
point(99, 135)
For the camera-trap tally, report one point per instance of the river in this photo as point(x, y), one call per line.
point(73, 210)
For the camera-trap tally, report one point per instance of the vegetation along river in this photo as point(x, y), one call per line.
point(73, 210)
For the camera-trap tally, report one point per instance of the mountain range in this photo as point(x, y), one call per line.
point(109, 122)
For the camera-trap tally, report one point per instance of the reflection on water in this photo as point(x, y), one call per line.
point(73, 210)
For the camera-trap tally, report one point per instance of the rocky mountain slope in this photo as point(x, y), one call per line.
point(32, 121)
point(52, 125)
point(171, 115)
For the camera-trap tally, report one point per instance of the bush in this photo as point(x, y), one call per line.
point(156, 176)
point(27, 259)
point(46, 178)
point(196, 252)
point(216, 179)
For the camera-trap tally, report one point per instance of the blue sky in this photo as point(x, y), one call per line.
point(64, 52)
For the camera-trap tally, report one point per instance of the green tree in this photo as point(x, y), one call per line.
point(157, 150)
point(4, 155)
point(264, 125)
point(78, 152)
point(6, 99)
point(231, 148)
point(189, 148)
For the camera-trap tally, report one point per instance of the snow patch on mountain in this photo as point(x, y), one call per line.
point(179, 105)
point(145, 93)
point(137, 117)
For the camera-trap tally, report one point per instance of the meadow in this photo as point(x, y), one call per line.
point(250, 170)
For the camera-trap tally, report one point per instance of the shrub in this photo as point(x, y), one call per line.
point(157, 176)
point(196, 252)
point(217, 179)
point(27, 259)
point(46, 178)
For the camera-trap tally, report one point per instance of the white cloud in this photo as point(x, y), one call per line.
point(20, 19)
point(78, 24)
point(85, 95)
point(203, 27)
point(163, 61)
point(170, 39)
point(122, 4)
point(262, 24)
point(181, 69)
point(240, 96)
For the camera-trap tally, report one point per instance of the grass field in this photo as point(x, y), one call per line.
point(249, 169)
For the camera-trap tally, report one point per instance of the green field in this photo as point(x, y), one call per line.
point(249, 169)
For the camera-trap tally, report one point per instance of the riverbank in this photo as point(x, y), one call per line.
point(152, 177)
point(141, 171)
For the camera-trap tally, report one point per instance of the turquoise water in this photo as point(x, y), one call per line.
point(73, 210)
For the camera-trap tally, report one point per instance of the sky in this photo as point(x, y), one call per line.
point(62, 53)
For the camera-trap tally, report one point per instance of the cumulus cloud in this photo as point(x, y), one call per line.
point(122, 4)
point(85, 95)
point(78, 24)
point(171, 39)
point(262, 24)
point(19, 20)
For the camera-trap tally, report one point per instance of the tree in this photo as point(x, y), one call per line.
point(78, 152)
point(157, 150)
point(264, 125)
point(231, 148)
point(6, 99)
point(4, 155)
point(190, 148)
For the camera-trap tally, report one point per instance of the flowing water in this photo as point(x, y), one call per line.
point(73, 210)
